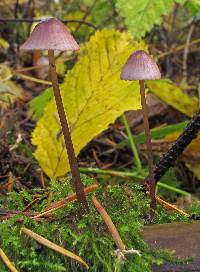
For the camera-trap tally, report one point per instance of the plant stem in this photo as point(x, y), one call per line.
point(133, 145)
point(173, 189)
point(111, 172)
point(131, 175)
point(148, 143)
point(78, 185)
point(177, 49)
point(34, 79)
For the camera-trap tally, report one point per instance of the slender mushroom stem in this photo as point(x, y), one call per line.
point(148, 143)
point(79, 188)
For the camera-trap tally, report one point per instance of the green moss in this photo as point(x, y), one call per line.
point(87, 235)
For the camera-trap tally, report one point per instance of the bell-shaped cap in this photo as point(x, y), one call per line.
point(50, 34)
point(140, 66)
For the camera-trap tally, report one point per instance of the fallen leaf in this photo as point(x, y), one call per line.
point(9, 92)
point(4, 44)
point(93, 97)
point(173, 96)
point(5, 72)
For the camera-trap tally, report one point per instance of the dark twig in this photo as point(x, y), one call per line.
point(88, 12)
point(29, 20)
point(16, 9)
point(168, 159)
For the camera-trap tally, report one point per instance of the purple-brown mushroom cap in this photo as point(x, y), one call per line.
point(140, 66)
point(50, 34)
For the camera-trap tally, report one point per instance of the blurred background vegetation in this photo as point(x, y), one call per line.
point(103, 127)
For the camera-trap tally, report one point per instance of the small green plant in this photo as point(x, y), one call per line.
point(142, 15)
point(86, 236)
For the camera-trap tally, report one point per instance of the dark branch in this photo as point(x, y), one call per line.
point(168, 159)
point(28, 20)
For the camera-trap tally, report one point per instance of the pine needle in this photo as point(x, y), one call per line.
point(53, 246)
point(111, 227)
point(7, 262)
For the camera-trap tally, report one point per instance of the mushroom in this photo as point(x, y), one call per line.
point(51, 34)
point(140, 66)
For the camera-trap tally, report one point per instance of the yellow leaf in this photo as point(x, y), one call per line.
point(5, 72)
point(174, 96)
point(9, 90)
point(192, 148)
point(195, 168)
point(93, 95)
point(3, 43)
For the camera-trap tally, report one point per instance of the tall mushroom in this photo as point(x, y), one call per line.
point(140, 66)
point(51, 34)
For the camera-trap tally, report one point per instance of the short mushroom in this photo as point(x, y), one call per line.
point(140, 66)
point(51, 34)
